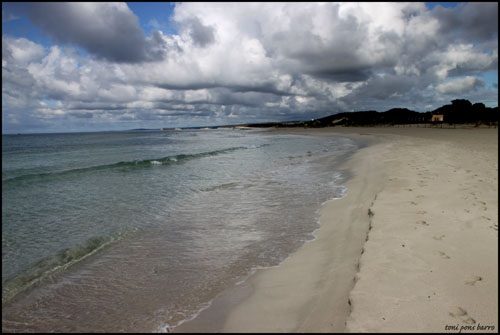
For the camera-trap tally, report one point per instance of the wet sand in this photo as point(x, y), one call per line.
point(412, 247)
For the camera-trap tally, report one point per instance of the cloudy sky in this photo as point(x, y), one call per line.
point(115, 66)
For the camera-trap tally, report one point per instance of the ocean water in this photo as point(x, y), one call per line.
point(140, 230)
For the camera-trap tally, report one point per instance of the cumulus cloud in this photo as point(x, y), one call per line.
point(200, 34)
point(460, 85)
point(245, 62)
point(472, 21)
point(109, 30)
point(20, 51)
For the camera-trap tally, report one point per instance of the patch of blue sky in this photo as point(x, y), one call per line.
point(490, 79)
point(22, 27)
point(432, 5)
point(154, 16)
point(50, 102)
point(15, 23)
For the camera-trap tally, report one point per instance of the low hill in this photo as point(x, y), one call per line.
point(459, 111)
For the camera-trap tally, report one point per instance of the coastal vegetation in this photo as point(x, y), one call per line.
point(460, 111)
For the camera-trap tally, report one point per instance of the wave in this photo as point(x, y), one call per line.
point(227, 186)
point(127, 165)
point(52, 265)
point(259, 146)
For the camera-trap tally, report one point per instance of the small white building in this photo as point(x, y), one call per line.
point(437, 118)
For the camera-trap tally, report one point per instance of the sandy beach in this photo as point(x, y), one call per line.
point(412, 247)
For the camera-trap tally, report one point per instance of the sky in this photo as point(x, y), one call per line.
point(97, 66)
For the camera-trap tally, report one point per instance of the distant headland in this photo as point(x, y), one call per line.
point(460, 111)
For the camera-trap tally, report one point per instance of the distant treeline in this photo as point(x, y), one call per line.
point(460, 111)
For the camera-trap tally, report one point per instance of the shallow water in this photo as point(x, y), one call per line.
point(137, 231)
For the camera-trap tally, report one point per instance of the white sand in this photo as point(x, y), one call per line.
point(431, 258)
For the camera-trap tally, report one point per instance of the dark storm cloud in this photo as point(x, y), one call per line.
point(202, 35)
point(222, 96)
point(474, 21)
point(145, 115)
point(263, 88)
point(188, 86)
point(86, 115)
point(384, 87)
point(249, 98)
point(94, 106)
point(107, 30)
point(186, 113)
point(156, 47)
point(468, 68)
point(343, 75)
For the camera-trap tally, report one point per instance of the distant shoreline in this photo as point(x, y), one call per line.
point(459, 113)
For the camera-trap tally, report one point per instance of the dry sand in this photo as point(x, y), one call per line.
point(431, 259)
point(412, 247)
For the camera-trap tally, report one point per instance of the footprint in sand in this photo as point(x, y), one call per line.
point(471, 280)
point(441, 254)
point(438, 238)
point(461, 314)
point(422, 222)
point(413, 203)
point(420, 196)
point(422, 212)
point(410, 189)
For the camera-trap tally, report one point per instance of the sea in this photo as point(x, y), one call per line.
point(138, 231)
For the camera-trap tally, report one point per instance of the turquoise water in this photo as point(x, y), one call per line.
point(136, 231)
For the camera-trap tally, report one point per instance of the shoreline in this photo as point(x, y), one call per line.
point(338, 290)
point(240, 308)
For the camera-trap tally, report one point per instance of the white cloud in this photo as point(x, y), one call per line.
point(249, 61)
point(460, 85)
point(20, 51)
